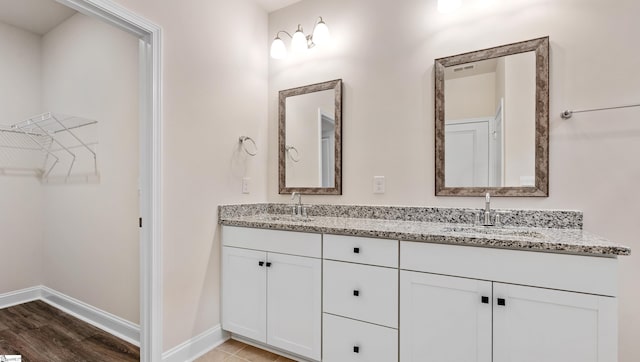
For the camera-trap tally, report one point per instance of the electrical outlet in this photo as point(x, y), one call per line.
point(245, 185)
point(378, 184)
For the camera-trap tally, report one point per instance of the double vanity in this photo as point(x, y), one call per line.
point(413, 284)
point(367, 283)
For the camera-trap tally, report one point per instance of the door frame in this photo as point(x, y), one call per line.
point(150, 181)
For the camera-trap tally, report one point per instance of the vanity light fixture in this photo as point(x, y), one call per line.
point(449, 6)
point(299, 41)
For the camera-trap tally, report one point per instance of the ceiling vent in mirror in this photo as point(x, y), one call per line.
point(467, 67)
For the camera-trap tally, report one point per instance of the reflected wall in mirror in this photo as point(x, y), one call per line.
point(492, 121)
point(310, 124)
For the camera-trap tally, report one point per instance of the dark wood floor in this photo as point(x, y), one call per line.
point(42, 333)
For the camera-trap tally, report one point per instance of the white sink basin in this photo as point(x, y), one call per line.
point(493, 230)
point(284, 218)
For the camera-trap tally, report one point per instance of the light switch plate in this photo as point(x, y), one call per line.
point(378, 185)
point(245, 185)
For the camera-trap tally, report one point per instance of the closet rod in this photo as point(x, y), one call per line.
point(567, 114)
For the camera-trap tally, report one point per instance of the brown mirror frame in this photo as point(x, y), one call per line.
point(541, 188)
point(335, 85)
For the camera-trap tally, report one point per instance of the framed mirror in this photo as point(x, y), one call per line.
point(492, 121)
point(310, 139)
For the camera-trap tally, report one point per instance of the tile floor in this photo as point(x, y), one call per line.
point(235, 351)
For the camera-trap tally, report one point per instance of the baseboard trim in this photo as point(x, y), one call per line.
point(187, 351)
point(106, 321)
point(20, 296)
point(196, 346)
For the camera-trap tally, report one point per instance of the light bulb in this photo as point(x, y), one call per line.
point(299, 41)
point(321, 34)
point(278, 50)
point(449, 6)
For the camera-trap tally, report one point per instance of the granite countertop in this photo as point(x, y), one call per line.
point(544, 239)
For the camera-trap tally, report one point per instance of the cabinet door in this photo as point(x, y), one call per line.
point(534, 324)
point(294, 310)
point(444, 319)
point(244, 293)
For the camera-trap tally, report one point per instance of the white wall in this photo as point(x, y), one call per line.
point(519, 117)
point(470, 97)
point(19, 74)
point(20, 197)
point(384, 51)
point(215, 56)
point(91, 241)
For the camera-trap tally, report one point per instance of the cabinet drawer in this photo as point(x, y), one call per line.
point(355, 249)
point(363, 292)
point(585, 274)
point(277, 241)
point(346, 340)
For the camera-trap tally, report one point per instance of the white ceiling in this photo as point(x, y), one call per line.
point(273, 5)
point(36, 16)
point(40, 16)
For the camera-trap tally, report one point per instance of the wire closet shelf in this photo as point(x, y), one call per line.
point(48, 146)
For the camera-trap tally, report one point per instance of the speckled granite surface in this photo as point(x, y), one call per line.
point(550, 231)
point(518, 218)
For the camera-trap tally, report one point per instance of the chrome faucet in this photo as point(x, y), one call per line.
point(297, 209)
point(487, 210)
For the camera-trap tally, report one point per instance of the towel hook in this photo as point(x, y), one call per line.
point(289, 149)
point(244, 139)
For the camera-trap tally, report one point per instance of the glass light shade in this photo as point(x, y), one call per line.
point(278, 50)
point(299, 42)
point(321, 34)
point(449, 6)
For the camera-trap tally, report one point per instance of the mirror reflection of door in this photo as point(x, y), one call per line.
point(328, 144)
point(310, 129)
point(490, 122)
point(473, 152)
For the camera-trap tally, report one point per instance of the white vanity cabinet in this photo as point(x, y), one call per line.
point(336, 298)
point(360, 292)
point(443, 318)
point(537, 324)
point(462, 303)
point(271, 288)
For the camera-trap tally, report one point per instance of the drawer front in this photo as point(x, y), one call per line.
point(346, 340)
point(363, 292)
point(586, 274)
point(277, 241)
point(382, 252)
